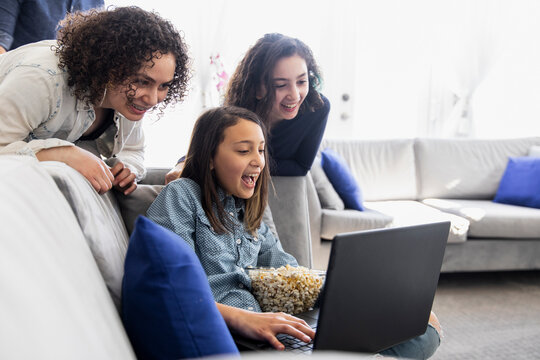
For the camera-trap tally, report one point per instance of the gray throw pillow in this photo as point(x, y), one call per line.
point(328, 196)
point(136, 203)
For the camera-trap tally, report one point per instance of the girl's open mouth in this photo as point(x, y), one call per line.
point(249, 180)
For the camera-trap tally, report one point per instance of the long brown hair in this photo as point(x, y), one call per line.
point(255, 72)
point(208, 133)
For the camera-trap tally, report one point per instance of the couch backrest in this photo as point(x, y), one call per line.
point(384, 169)
point(465, 168)
point(54, 302)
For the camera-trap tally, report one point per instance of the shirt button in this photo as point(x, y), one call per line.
point(231, 213)
point(238, 241)
point(250, 308)
point(256, 239)
point(241, 286)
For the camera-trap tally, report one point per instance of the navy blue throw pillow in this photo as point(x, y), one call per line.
point(342, 179)
point(167, 306)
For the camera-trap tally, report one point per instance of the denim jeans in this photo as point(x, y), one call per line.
point(420, 347)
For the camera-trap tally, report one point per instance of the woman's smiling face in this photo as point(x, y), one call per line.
point(290, 81)
point(239, 158)
point(150, 86)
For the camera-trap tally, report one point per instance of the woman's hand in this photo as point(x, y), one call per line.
point(124, 179)
point(265, 326)
point(174, 173)
point(90, 166)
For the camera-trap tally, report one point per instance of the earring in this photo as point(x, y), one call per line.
point(103, 98)
point(104, 94)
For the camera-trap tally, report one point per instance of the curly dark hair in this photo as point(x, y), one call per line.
point(107, 47)
point(256, 69)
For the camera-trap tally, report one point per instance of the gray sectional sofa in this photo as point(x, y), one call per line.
point(410, 181)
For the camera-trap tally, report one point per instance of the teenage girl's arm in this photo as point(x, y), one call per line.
point(175, 172)
point(265, 326)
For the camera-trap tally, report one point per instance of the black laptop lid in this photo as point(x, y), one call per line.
point(380, 287)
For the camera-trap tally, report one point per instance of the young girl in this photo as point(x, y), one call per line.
point(278, 80)
point(95, 83)
point(217, 207)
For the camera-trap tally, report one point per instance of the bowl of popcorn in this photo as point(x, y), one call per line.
point(288, 289)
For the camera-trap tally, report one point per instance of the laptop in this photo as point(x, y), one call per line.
point(378, 292)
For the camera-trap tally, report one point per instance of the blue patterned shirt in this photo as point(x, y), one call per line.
point(225, 256)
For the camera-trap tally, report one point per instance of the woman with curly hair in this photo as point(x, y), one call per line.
point(96, 82)
point(278, 79)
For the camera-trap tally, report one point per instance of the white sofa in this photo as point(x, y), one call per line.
point(62, 251)
point(410, 181)
point(58, 300)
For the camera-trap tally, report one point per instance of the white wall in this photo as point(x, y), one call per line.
point(385, 54)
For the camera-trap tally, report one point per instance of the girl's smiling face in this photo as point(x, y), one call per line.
point(290, 81)
point(149, 87)
point(239, 158)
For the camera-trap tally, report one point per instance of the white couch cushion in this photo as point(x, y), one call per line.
point(54, 303)
point(385, 169)
point(100, 220)
point(464, 168)
point(493, 220)
point(334, 222)
point(534, 151)
point(406, 213)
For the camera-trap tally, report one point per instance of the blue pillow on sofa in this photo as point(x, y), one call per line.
point(167, 306)
point(520, 183)
point(342, 179)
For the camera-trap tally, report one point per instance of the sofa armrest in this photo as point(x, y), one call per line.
point(287, 198)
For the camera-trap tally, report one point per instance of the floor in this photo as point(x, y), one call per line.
point(492, 315)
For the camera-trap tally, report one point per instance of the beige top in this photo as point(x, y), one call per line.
point(38, 111)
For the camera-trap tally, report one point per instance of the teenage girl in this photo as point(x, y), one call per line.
point(278, 79)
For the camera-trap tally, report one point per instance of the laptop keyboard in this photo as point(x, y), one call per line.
point(295, 345)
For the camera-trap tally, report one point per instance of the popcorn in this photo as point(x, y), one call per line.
point(288, 289)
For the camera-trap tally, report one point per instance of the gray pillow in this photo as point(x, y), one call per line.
point(136, 203)
point(328, 196)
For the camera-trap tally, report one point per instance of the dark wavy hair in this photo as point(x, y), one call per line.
point(256, 69)
point(208, 133)
point(107, 47)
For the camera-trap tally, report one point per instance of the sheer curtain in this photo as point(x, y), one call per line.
point(469, 37)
